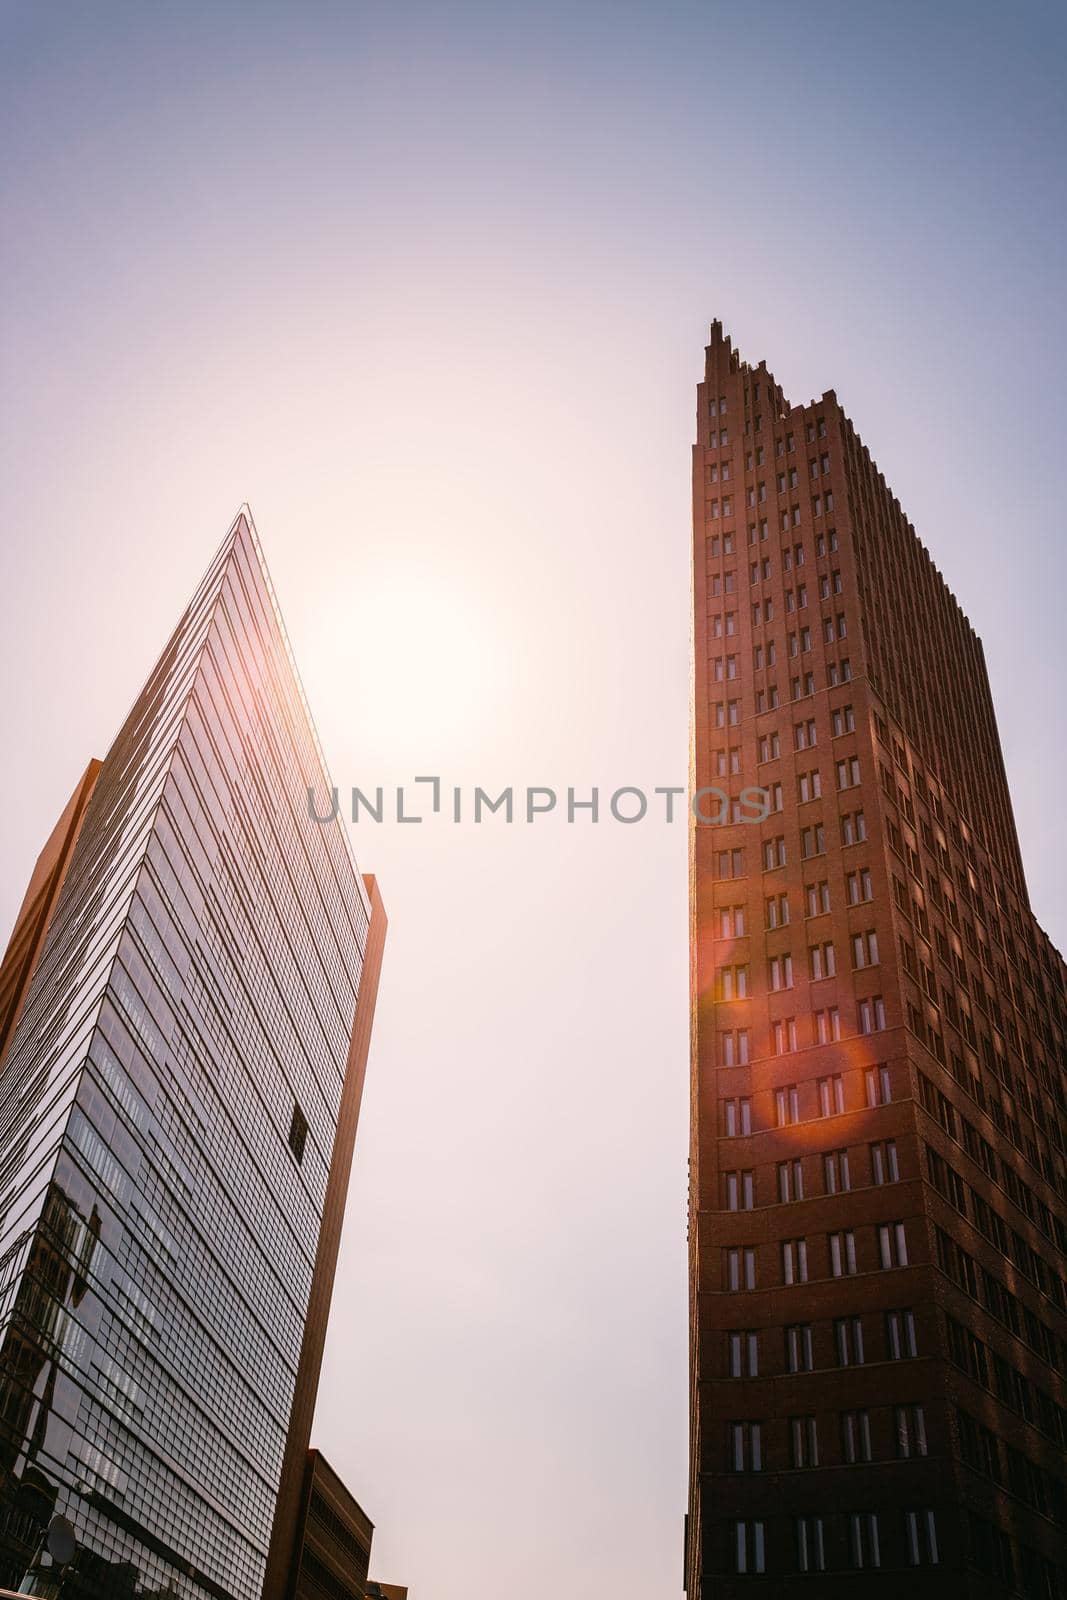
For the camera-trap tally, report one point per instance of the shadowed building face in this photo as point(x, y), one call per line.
point(879, 1106)
point(187, 1002)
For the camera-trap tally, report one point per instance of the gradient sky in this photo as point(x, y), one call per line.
point(429, 285)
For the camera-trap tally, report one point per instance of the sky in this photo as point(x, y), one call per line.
point(429, 286)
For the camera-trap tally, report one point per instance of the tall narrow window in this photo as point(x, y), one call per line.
point(864, 1548)
point(811, 1552)
point(856, 1436)
point(836, 1178)
point(843, 1254)
point(794, 1261)
point(831, 1096)
point(298, 1132)
point(848, 1341)
point(748, 1547)
point(885, 1167)
point(879, 1090)
point(911, 1431)
point(743, 1353)
point(892, 1245)
point(798, 1347)
point(787, 1105)
point(900, 1334)
point(922, 1539)
point(746, 1454)
point(790, 1181)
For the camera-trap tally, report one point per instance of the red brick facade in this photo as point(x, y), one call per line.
point(879, 1100)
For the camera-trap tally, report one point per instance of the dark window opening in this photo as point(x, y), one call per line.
point(298, 1132)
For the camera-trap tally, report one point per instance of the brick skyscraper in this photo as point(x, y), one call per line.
point(878, 1337)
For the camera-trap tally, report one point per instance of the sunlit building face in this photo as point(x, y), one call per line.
point(169, 1105)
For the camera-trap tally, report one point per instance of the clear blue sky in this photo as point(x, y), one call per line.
point(429, 286)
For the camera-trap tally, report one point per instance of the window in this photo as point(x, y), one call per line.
point(831, 1095)
point(855, 1436)
point(848, 773)
point(733, 983)
point(979, 1447)
point(878, 1086)
point(853, 828)
point(298, 1132)
point(803, 1442)
point(740, 1193)
point(748, 1547)
point(859, 886)
point(730, 864)
point(743, 1353)
point(809, 786)
point(731, 922)
point(818, 898)
point(922, 1539)
point(794, 1261)
point(787, 1105)
point(835, 1172)
point(790, 1181)
point(900, 1334)
point(777, 909)
point(910, 1431)
point(798, 1348)
point(737, 1116)
point(843, 720)
point(892, 1245)
point(804, 735)
point(827, 1025)
point(781, 972)
point(785, 1035)
point(863, 1539)
point(813, 841)
point(842, 1254)
point(811, 1549)
point(745, 1446)
point(773, 854)
point(872, 1014)
point(884, 1165)
point(865, 949)
point(848, 1341)
point(769, 747)
point(821, 963)
point(739, 1267)
point(734, 1047)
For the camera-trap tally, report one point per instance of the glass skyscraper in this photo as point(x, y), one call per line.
point(178, 1099)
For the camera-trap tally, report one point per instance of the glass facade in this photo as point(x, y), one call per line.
point(167, 1117)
